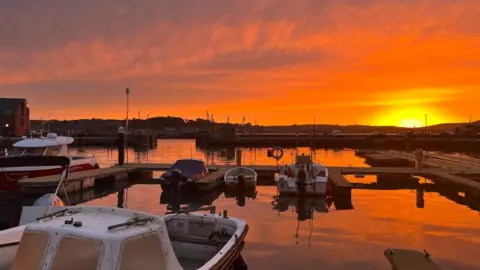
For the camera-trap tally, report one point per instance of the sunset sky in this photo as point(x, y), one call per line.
point(379, 62)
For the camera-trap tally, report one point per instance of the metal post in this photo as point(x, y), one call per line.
point(121, 198)
point(419, 159)
point(238, 156)
point(121, 146)
point(426, 123)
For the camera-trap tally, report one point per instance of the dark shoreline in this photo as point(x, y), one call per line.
point(466, 145)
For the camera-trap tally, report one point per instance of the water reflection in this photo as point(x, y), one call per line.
point(12, 203)
point(176, 200)
point(241, 195)
point(345, 231)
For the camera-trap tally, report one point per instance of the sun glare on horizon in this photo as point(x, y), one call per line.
point(410, 123)
point(410, 117)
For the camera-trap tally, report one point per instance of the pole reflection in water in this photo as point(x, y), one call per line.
point(420, 199)
point(305, 209)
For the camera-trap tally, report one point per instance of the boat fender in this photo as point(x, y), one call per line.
point(49, 200)
point(277, 153)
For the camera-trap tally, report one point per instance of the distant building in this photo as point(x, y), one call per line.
point(14, 117)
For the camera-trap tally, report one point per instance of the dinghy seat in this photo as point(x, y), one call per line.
point(200, 232)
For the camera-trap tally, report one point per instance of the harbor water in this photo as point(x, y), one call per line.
point(331, 233)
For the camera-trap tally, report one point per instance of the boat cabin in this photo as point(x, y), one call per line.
point(96, 238)
point(52, 145)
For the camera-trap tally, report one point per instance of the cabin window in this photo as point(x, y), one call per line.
point(34, 151)
point(142, 252)
point(52, 150)
point(31, 251)
point(18, 151)
point(77, 253)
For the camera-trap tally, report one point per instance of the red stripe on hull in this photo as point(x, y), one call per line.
point(9, 180)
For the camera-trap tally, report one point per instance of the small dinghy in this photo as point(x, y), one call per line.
point(304, 177)
point(241, 176)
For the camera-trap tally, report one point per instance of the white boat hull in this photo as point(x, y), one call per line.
point(249, 175)
point(192, 241)
point(315, 183)
point(288, 186)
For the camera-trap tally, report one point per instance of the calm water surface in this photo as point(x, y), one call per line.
point(318, 234)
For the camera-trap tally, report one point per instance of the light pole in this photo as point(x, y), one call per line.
point(127, 92)
point(6, 130)
point(426, 123)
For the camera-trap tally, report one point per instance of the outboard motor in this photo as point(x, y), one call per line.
point(176, 178)
point(241, 181)
point(301, 182)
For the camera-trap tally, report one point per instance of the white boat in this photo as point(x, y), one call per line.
point(52, 145)
point(303, 177)
point(241, 176)
point(98, 237)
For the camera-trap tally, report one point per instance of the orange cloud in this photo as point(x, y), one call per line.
point(279, 62)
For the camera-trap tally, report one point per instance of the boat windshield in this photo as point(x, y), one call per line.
point(29, 151)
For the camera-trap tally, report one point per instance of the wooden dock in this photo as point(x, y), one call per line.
point(212, 180)
point(166, 166)
point(438, 168)
point(434, 160)
point(446, 170)
point(338, 180)
point(77, 181)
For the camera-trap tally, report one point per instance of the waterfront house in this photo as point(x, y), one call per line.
point(14, 117)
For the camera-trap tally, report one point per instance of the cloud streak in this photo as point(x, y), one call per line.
point(225, 54)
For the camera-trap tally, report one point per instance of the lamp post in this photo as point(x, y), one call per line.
point(6, 130)
point(426, 123)
point(127, 92)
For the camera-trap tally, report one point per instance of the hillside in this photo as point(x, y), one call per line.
point(101, 127)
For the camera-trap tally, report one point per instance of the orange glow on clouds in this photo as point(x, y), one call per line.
point(371, 62)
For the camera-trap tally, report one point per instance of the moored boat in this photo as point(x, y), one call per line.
point(184, 172)
point(303, 177)
point(98, 237)
point(241, 177)
point(52, 145)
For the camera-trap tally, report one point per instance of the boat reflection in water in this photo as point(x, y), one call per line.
point(174, 200)
point(241, 194)
point(305, 208)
